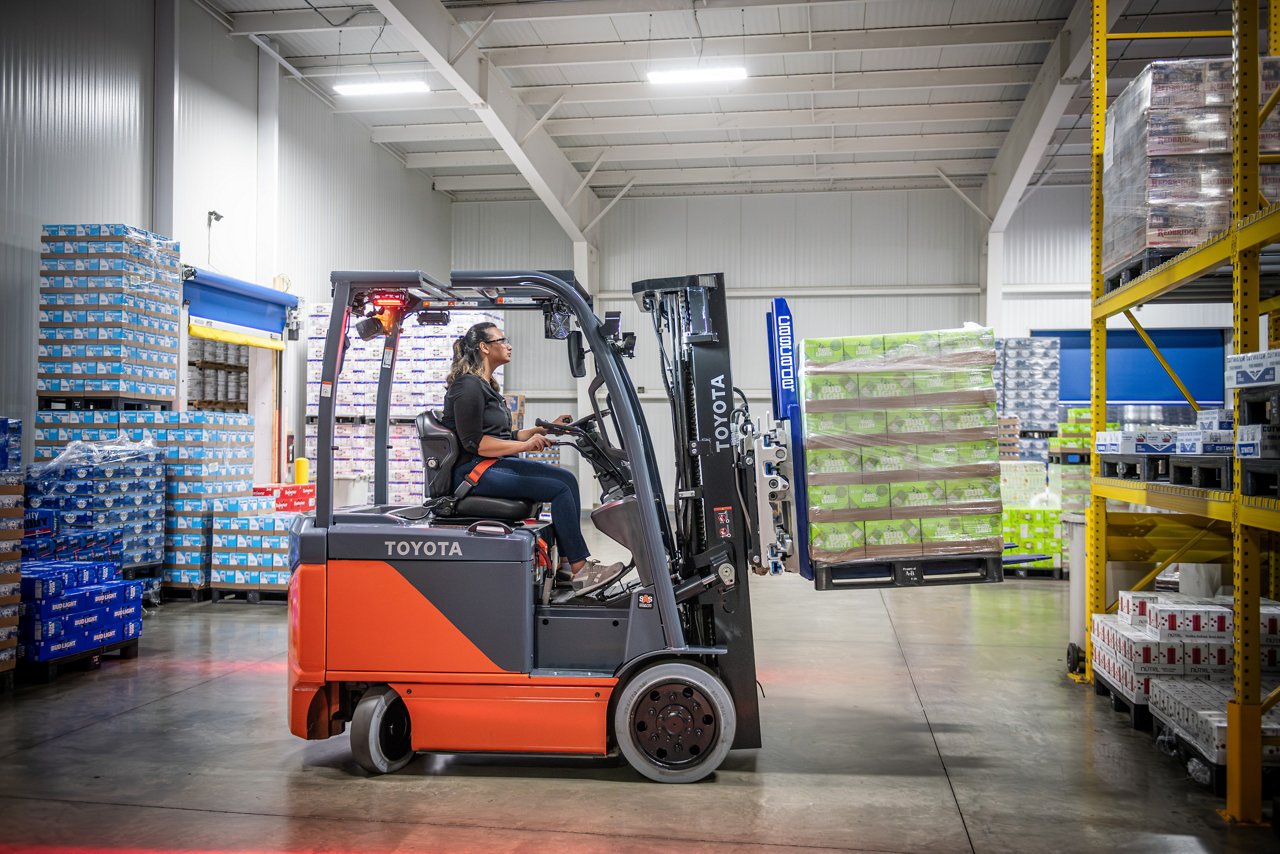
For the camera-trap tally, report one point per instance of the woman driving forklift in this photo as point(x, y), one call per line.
point(475, 410)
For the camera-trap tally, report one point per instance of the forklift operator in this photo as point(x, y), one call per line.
point(474, 409)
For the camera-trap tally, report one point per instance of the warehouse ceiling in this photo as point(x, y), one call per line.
point(837, 95)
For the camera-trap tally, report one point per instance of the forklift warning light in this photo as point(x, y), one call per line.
point(389, 299)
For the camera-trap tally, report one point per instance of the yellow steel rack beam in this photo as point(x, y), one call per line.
point(1168, 368)
point(1172, 34)
point(1250, 517)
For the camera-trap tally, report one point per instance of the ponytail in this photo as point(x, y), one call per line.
point(466, 354)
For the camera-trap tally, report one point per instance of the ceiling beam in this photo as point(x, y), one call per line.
point(1057, 81)
point(304, 21)
point(436, 100)
point(677, 123)
point(724, 150)
point(860, 81)
point(734, 47)
point(429, 27)
point(523, 11)
point(730, 174)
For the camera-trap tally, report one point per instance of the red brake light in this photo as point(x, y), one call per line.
point(389, 299)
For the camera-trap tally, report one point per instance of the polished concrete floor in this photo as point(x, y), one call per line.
point(905, 721)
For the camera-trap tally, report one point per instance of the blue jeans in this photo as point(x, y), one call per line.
point(512, 477)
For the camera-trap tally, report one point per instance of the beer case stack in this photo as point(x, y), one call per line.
point(10, 568)
point(1030, 368)
point(1166, 173)
point(110, 305)
point(250, 544)
point(901, 446)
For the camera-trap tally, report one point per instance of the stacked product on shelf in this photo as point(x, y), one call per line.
point(1009, 438)
point(1175, 652)
point(250, 544)
point(10, 445)
point(92, 489)
point(217, 374)
point(1032, 518)
point(10, 560)
point(1030, 369)
point(110, 303)
point(1069, 474)
point(73, 607)
point(1166, 175)
point(900, 443)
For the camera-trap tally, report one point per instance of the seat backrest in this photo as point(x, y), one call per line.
point(440, 451)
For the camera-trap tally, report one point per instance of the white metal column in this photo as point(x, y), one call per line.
point(265, 374)
point(993, 280)
point(164, 129)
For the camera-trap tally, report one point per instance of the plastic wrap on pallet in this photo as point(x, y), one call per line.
point(1166, 175)
point(901, 445)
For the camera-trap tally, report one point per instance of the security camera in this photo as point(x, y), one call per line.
point(214, 216)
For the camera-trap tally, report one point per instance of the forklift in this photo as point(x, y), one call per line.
point(441, 627)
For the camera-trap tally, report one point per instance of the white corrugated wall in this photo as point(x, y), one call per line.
point(75, 146)
point(215, 160)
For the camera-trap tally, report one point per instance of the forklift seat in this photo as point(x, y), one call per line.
point(440, 452)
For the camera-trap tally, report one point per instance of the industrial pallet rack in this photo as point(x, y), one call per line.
point(1252, 519)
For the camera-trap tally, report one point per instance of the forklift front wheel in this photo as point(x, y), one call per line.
point(380, 731)
point(675, 722)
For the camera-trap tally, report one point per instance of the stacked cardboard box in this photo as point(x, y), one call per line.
point(900, 445)
point(1070, 479)
point(1174, 635)
point(10, 445)
point(1196, 709)
point(110, 303)
point(251, 544)
point(1010, 447)
point(1030, 368)
point(10, 559)
point(75, 607)
point(289, 497)
point(112, 486)
point(1166, 173)
point(1036, 532)
point(353, 458)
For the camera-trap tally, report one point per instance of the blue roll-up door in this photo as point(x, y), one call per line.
point(233, 302)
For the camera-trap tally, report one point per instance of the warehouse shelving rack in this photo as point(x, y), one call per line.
point(1255, 225)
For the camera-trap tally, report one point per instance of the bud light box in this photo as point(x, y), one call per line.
point(71, 607)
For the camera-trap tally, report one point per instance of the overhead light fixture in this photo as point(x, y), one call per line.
point(698, 75)
point(383, 87)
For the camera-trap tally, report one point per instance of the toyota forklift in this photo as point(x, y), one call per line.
point(441, 627)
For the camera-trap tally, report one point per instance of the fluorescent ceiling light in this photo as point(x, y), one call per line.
point(384, 87)
point(697, 75)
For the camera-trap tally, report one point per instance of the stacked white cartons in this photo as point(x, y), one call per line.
point(1196, 710)
point(56, 428)
point(1030, 390)
point(208, 456)
point(110, 304)
point(1166, 175)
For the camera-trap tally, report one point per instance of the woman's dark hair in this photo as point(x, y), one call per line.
point(466, 353)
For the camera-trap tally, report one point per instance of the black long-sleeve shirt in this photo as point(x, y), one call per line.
point(473, 410)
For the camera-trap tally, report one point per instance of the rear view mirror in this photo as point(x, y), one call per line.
point(577, 355)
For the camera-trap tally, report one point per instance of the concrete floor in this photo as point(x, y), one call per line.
point(906, 721)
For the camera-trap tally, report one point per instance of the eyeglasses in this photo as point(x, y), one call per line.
point(506, 341)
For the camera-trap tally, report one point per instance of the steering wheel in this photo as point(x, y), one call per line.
point(559, 429)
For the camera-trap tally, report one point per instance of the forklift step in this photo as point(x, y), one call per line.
point(910, 572)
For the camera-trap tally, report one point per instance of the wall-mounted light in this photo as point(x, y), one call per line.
point(383, 87)
point(698, 75)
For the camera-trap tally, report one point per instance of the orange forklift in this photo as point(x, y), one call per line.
point(440, 627)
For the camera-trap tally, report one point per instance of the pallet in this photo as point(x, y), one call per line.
point(1189, 750)
point(1259, 405)
point(172, 592)
point(1071, 456)
point(1151, 468)
point(1201, 471)
point(1261, 478)
point(47, 671)
point(103, 401)
point(134, 571)
point(1054, 572)
point(1144, 262)
point(248, 594)
point(1139, 713)
point(923, 571)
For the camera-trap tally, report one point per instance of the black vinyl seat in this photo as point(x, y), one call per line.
point(440, 452)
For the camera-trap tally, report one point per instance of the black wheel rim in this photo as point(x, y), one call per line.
point(674, 724)
point(393, 735)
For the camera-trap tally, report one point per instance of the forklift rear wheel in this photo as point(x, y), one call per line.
point(380, 731)
point(675, 722)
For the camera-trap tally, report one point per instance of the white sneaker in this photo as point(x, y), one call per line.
point(595, 575)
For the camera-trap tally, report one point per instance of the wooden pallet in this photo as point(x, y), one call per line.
point(47, 671)
point(1139, 713)
point(921, 571)
point(252, 594)
point(174, 590)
